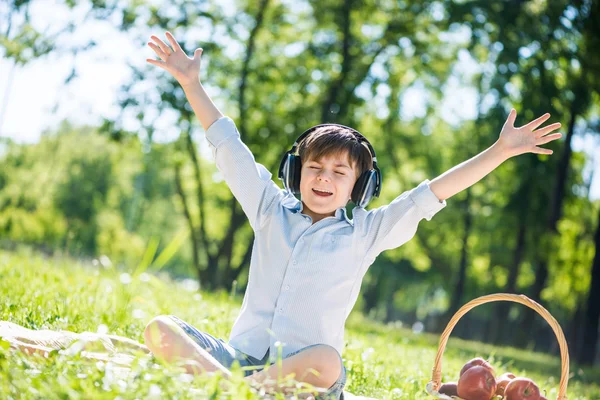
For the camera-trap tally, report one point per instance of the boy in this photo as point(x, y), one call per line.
point(308, 258)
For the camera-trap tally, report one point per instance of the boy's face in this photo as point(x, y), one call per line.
point(333, 174)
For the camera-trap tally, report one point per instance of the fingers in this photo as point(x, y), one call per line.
point(166, 49)
point(173, 42)
point(547, 129)
point(539, 150)
point(546, 139)
point(537, 122)
point(158, 51)
point(512, 116)
point(160, 64)
point(549, 138)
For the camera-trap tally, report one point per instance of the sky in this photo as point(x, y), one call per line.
point(34, 98)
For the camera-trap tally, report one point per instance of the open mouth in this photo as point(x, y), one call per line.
point(322, 193)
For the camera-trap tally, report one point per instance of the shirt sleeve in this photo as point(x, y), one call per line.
point(392, 225)
point(249, 181)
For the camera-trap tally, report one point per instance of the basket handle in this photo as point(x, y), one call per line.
point(564, 352)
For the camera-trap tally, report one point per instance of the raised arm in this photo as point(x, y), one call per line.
point(249, 181)
point(186, 71)
point(512, 142)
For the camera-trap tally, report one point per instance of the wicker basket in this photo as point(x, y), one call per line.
point(435, 382)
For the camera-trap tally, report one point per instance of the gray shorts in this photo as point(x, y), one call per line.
point(225, 354)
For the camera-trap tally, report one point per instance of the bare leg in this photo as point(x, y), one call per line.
point(318, 366)
point(168, 342)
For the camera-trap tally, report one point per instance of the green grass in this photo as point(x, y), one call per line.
point(385, 362)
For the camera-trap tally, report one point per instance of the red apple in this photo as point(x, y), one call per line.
point(502, 381)
point(477, 383)
point(449, 389)
point(522, 389)
point(477, 361)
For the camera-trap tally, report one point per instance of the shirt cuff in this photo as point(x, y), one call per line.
point(426, 200)
point(221, 130)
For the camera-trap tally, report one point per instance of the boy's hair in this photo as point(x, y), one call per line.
point(332, 141)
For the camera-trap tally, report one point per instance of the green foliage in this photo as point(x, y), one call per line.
point(87, 200)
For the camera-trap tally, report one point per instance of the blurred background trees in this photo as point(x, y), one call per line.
point(430, 83)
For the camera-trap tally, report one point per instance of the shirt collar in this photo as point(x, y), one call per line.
point(292, 203)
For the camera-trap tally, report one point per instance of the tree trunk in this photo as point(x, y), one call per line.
point(459, 287)
point(226, 251)
point(234, 273)
point(574, 332)
point(246, 65)
point(371, 295)
point(592, 313)
point(188, 217)
point(501, 326)
point(330, 105)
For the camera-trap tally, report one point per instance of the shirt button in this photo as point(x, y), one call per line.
point(281, 310)
point(294, 262)
point(287, 287)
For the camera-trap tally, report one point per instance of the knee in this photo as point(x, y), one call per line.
point(158, 331)
point(328, 363)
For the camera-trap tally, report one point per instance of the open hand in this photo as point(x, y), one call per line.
point(174, 60)
point(526, 138)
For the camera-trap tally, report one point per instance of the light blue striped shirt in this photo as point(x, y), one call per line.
point(304, 278)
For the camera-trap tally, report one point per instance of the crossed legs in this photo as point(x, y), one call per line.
point(319, 366)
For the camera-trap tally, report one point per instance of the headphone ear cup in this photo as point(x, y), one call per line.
point(364, 188)
point(294, 173)
point(290, 171)
point(284, 167)
point(358, 188)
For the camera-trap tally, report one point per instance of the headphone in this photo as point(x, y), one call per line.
point(366, 187)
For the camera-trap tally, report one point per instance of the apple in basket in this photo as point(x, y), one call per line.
point(477, 383)
point(503, 381)
point(522, 389)
point(477, 361)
